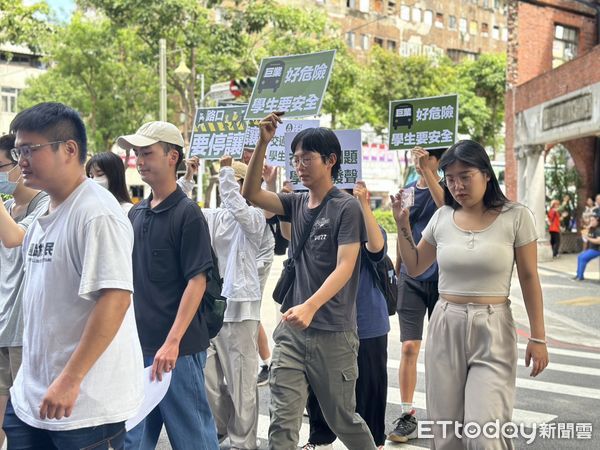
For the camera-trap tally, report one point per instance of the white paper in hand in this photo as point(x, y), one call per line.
point(154, 391)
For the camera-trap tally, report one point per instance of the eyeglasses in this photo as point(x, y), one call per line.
point(306, 162)
point(465, 179)
point(2, 166)
point(26, 150)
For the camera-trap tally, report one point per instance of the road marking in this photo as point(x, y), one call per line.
point(263, 433)
point(519, 415)
point(566, 352)
point(581, 301)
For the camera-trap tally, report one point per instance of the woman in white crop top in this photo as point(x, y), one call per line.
point(471, 353)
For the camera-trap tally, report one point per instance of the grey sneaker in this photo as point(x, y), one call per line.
point(406, 428)
point(263, 375)
point(311, 446)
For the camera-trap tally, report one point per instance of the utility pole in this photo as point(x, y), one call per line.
point(162, 69)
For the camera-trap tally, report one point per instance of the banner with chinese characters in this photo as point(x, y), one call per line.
point(276, 148)
point(351, 164)
point(430, 122)
point(293, 84)
point(218, 131)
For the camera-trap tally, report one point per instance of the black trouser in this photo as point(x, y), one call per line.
point(371, 394)
point(555, 242)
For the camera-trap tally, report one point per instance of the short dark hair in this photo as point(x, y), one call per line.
point(437, 153)
point(167, 147)
point(113, 167)
point(472, 154)
point(323, 141)
point(57, 122)
point(7, 143)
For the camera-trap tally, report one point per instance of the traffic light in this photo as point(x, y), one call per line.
point(241, 86)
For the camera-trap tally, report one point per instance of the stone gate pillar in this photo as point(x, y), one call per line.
point(532, 192)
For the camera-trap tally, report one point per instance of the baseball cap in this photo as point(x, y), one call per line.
point(151, 133)
point(239, 170)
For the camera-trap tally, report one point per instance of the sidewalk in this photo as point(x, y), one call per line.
point(567, 264)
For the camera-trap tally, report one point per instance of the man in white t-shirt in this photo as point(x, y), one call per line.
point(81, 375)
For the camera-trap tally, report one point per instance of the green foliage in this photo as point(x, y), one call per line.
point(24, 24)
point(385, 218)
point(562, 177)
point(106, 66)
point(97, 69)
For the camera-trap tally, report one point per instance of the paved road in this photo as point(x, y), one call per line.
point(568, 392)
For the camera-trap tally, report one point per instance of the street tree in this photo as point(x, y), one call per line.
point(98, 70)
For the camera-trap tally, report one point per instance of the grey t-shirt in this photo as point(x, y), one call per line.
point(11, 277)
point(339, 222)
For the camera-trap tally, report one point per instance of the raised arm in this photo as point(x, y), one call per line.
point(252, 189)
point(252, 220)
point(416, 258)
point(375, 242)
point(431, 178)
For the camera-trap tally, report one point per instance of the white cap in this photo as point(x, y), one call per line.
point(151, 133)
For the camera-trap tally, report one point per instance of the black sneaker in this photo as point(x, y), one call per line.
point(406, 428)
point(263, 375)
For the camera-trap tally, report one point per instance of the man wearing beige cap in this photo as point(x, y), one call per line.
point(171, 257)
point(236, 229)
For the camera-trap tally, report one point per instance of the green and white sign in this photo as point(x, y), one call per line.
point(276, 148)
point(350, 167)
point(430, 122)
point(293, 84)
point(218, 131)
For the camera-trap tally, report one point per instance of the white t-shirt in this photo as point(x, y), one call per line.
point(83, 246)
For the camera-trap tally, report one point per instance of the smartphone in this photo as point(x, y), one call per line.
point(408, 197)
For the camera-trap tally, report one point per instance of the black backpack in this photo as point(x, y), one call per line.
point(386, 280)
point(212, 308)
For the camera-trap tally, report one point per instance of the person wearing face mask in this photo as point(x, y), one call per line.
point(16, 215)
point(107, 169)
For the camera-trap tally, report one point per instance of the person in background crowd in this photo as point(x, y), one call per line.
point(316, 342)
point(236, 230)
point(16, 215)
point(81, 375)
point(416, 296)
point(590, 235)
point(471, 355)
point(107, 169)
point(588, 212)
point(554, 227)
point(373, 327)
point(566, 213)
point(171, 258)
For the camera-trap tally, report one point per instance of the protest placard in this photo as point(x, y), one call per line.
point(430, 122)
point(276, 148)
point(294, 84)
point(351, 163)
point(218, 131)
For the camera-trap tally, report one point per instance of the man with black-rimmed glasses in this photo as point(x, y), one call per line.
point(81, 374)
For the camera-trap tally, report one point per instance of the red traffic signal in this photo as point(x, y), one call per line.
point(235, 88)
point(241, 86)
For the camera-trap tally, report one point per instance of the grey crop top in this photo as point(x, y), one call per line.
point(479, 263)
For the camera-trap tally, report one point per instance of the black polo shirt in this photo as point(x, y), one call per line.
point(172, 245)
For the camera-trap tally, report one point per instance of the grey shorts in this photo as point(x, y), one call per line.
point(415, 298)
point(10, 361)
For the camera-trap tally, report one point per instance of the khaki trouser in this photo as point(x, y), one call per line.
point(327, 361)
point(230, 373)
point(470, 371)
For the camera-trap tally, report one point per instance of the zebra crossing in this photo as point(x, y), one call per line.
point(572, 375)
